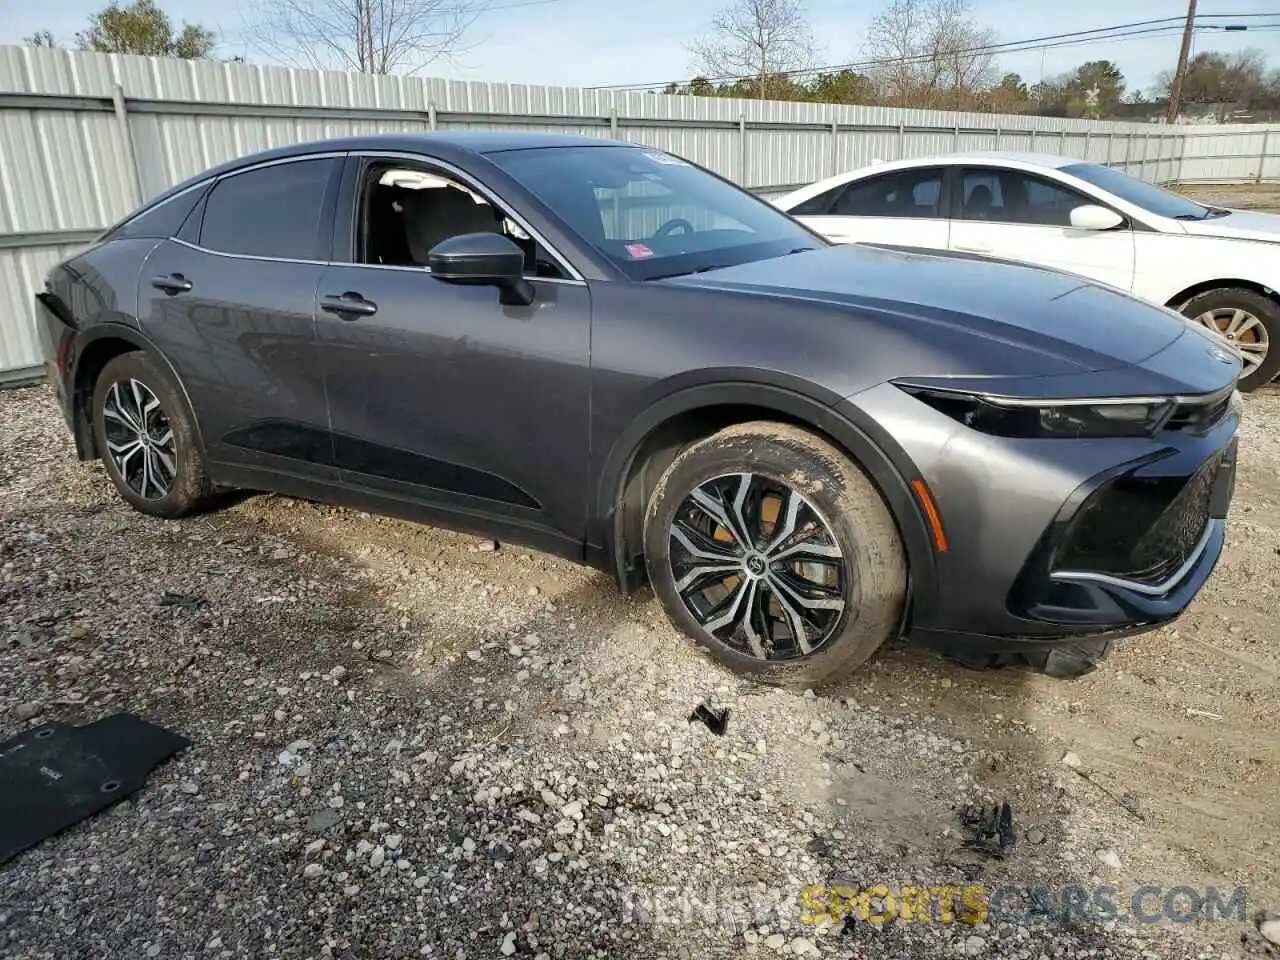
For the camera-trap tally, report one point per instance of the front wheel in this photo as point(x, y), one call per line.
point(1249, 322)
point(775, 554)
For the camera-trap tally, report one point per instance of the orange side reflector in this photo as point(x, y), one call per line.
point(931, 511)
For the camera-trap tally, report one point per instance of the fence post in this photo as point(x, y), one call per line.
point(902, 141)
point(613, 122)
point(835, 147)
point(997, 136)
point(1033, 138)
point(431, 114)
point(1182, 155)
point(1088, 137)
point(126, 132)
point(1111, 139)
point(1262, 156)
point(742, 150)
point(1062, 143)
point(955, 140)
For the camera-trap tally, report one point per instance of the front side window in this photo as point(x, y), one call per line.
point(272, 211)
point(905, 193)
point(652, 214)
point(1010, 196)
point(405, 210)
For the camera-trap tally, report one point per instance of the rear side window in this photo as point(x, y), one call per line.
point(817, 206)
point(904, 193)
point(162, 220)
point(269, 212)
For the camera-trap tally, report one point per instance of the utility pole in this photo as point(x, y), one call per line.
point(1175, 95)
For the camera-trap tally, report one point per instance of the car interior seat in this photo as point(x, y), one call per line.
point(438, 213)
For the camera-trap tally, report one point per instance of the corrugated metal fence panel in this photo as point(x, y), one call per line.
point(70, 164)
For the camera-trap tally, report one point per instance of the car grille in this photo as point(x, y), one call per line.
point(1140, 528)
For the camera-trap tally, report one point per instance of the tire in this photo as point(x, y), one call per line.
point(1226, 300)
point(838, 505)
point(130, 382)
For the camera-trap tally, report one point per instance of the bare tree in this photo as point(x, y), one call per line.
point(929, 53)
point(367, 36)
point(761, 39)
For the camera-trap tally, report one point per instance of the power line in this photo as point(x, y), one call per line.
point(1072, 38)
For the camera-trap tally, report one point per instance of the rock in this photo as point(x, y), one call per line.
point(468, 845)
point(189, 787)
point(750, 936)
point(1071, 759)
point(1139, 742)
point(27, 711)
point(974, 946)
point(1035, 836)
point(1109, 858)
point(774, 941)
point(323, 820)
point(314, 847)
point(153, 950)
point(551, 800)
point(392, 841)
point(1270, 930)
point(312, 870)
point(474, 654)
point(338, 672)
point(377, 858)
point(804, 947)
point(508, 944)
point(572, 809)
point(336, 801)
point(488, 546)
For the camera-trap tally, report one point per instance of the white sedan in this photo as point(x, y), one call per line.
point(1219, 267)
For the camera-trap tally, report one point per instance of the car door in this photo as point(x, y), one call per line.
point(903, 209)
point(439, 394)
point(230, 302)
point(1015, 215)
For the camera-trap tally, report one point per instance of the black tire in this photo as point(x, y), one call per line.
point(855, 515)
point(188, 489)
point(1264, 308)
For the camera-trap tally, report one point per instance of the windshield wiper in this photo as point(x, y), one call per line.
point(687, 273)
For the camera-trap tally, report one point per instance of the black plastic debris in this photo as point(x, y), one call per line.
point(716, 720)
point(991, 829)
point(55, 775)
point(186, 601)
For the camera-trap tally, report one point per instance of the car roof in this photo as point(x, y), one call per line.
point(1054, 160)
point(447, 145)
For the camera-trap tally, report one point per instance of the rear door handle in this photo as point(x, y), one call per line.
point(349, 306)
point(172, 284)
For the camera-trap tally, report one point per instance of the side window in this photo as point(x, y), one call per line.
point(269, 212)
point(906, 193)
point(407, 210)
point(164, 219)
point(1009, 196)
point(817, 206)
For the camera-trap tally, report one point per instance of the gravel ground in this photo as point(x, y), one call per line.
point(409, 743)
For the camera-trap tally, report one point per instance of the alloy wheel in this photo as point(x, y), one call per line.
point(758, 567)
point(140, 439)
point(1244, 331)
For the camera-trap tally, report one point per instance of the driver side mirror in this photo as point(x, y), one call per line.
point(1090, 216)
point(482, 259)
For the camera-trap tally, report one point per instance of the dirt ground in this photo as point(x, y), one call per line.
point(505, 673)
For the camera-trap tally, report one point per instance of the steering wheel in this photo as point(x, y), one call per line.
point(672, 225)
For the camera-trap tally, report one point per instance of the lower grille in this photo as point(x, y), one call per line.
point(1140, 528)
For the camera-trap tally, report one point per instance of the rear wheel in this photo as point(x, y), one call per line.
point(775, 554)
point(147, 439)
point(1249, 322)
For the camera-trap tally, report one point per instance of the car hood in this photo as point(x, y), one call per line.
point(1086, 325)
point(1239, 225)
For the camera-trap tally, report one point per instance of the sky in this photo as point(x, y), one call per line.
point(608, 42)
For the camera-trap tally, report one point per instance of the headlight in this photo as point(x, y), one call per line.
point(1048, 418)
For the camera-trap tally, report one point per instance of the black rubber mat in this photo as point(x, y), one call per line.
point(55, 775)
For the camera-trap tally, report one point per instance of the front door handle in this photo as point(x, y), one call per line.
point(349, 306)
point(172, 284)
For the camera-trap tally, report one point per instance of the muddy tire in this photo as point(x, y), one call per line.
point(1250, 322)
point(146, 438)
point(793, 576)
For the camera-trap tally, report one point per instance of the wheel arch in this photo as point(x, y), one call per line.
point(1180, 299)
point(653, 440)
point(97, 347)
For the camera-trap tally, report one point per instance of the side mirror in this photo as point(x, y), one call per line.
point(1090, 216)
point(482, 259)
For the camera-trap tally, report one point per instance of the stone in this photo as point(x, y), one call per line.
point(974, 946)
point(1109, 858)
point(312, 870)
point(1270, 930)
point(508, 944)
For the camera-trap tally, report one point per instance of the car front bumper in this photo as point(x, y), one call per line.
point(1054, 541)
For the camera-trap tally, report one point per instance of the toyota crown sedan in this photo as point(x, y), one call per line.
point(1219, 267)
point(603, 351)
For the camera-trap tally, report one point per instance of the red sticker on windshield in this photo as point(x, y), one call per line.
point(638, 251)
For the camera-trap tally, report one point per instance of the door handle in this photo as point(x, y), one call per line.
point(349, 306)
point(172, 284)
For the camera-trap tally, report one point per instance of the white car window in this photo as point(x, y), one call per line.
point(1011, 196)
point(905, 193)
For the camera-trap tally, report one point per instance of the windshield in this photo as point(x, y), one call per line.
point(653, 214)
point(1148, 196)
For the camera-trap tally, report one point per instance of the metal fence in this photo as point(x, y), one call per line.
point(84, 138)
